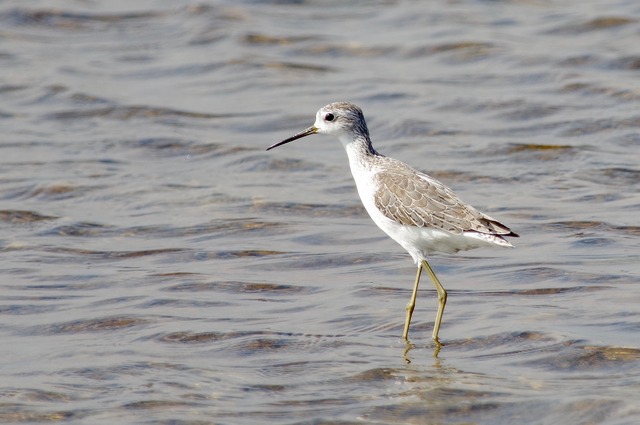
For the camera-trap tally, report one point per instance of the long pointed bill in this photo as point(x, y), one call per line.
point(309, 131)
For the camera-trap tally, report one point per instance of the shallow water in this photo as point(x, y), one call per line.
point(158, 266)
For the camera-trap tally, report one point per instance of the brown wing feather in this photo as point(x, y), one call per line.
point(416, 199)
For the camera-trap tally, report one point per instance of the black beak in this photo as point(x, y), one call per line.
point(309, 131)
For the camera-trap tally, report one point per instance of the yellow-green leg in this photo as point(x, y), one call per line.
point(442, 300)
point(412, 304)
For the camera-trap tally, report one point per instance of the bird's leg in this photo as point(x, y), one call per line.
point(412, 304)
point(442, 300)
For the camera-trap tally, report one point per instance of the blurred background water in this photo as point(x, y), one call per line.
point(158, 266)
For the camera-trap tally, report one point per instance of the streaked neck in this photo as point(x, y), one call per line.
point(358, 147)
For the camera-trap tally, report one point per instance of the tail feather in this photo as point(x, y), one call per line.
point(496, 228)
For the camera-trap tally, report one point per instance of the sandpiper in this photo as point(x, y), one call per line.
point(414, 209)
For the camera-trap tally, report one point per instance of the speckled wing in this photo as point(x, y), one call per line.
point(416, 199)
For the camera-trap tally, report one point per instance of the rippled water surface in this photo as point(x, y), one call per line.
point(158, 266)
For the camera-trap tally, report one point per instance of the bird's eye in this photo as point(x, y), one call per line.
point(329, 117)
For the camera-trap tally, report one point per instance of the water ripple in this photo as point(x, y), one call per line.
point(158, 266)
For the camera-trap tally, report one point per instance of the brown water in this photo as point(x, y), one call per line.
point(158, 266)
